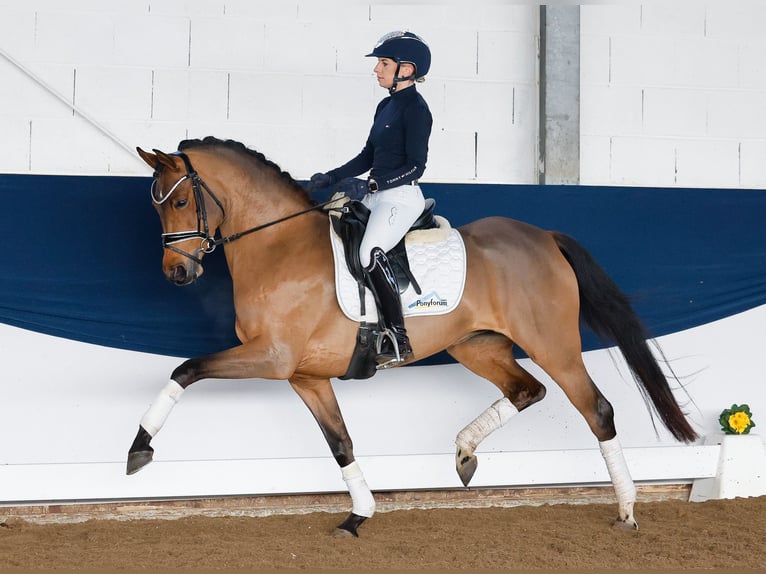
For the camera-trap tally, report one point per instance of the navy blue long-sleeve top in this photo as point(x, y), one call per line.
point(397, 148)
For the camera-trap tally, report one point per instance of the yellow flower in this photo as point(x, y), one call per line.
point(739, 421)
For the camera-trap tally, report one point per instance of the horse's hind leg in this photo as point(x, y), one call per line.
point(320, 399)
point(579, 388)
point(490, 355)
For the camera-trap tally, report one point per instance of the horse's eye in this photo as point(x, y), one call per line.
point(181, 203)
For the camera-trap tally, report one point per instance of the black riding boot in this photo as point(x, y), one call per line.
point(382, 283)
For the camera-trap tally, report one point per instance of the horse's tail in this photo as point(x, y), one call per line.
point(607, 311)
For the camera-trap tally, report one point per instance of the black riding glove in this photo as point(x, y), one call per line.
point(353, 188)
point(321, 180)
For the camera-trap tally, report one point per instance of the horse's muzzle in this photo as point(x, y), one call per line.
point(180, 274)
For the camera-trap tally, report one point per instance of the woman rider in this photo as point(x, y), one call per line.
point(395, 156)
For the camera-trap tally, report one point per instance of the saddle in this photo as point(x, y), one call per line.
point(350, 227)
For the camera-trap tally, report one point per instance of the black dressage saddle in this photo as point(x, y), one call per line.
point(350, 226)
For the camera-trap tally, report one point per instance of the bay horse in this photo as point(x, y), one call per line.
point(524, 286)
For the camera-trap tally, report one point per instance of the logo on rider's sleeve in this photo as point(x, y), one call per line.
point(428, 301)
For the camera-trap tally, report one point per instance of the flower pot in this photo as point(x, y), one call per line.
point(741, 470)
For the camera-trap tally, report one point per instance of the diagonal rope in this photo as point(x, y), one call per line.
point(79, 111)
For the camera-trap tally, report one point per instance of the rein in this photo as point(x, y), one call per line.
point(208, 243)
point(213, 243)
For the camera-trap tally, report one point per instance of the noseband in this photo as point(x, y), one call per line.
point(208, 243)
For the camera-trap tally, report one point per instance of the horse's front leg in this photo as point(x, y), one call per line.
point(320, 399)
point(243, 362)
point(141, 453)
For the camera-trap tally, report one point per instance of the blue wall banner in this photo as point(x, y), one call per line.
point(82, 256)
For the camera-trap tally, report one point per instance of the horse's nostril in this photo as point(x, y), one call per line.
point(178, 274)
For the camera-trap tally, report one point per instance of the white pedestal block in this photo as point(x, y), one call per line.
point(741, 469)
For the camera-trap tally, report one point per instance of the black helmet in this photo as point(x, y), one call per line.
point(404, 48)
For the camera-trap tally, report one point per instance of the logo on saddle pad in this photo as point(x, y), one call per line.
point(437, 260)
point(427, 301)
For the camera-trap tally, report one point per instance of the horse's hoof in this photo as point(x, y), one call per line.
point(348, 528)
point(138, 460)
point(466, 467)
point(342, 533)
point(628, 523)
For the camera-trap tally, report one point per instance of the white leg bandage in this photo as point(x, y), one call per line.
point(159, 410)
point(620, 475)
point(499, 413)
point(361, 497)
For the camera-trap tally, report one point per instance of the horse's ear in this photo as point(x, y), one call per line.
point(157, 159)
point(149, 158)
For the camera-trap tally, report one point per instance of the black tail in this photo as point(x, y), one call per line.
point(607, 311)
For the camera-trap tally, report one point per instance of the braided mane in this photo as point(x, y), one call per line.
point(211, 141)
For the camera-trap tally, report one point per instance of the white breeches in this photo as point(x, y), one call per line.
point(392, 213)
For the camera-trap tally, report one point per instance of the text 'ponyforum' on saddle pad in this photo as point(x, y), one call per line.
point(437, 260)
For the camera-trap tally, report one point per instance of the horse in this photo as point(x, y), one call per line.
point(524, 287)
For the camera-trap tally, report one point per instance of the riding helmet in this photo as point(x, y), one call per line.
point(404, 48)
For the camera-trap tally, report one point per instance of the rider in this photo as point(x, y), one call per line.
point(395, 155)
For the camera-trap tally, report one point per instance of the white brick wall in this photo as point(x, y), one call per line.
point(287, 78)
point(179, 95)
point(23, 99)
point(16, 130)
point(751, 158)
point(665, 87)
point(136, 41)
point(672, 94)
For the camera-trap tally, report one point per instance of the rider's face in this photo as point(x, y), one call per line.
point(384, 71)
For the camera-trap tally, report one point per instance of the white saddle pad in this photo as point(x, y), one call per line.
point(437, 260)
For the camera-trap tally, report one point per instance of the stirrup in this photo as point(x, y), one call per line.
point(394, 358)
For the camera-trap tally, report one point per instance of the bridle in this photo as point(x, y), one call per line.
point(208, 242)
point(203, 229)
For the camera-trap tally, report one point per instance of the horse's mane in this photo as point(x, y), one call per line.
point(233, 145)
